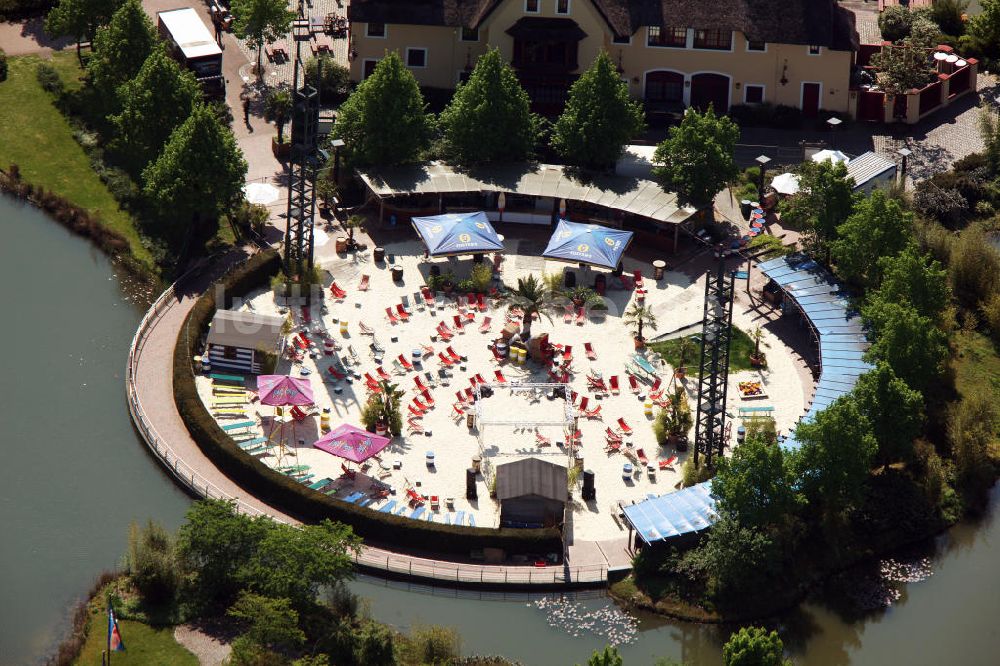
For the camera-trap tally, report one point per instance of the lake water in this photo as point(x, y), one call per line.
point(74, 475)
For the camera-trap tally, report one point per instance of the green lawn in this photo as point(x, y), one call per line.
point(739, 351)
point(143, 644)
point(976, 364)
point(36, 136)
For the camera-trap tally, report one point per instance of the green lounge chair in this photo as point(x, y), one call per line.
point(233, 379)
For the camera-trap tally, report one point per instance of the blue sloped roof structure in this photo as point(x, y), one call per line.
point(842, 341)
point(688, 510)
point(842, 345)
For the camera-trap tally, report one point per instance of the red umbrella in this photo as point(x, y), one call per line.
point(351, 443)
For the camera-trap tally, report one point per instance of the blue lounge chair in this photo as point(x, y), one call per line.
point(354, 497)
point(447, 519)
point(388, 507)
point(460, 518)
point(472, 520)
point(419, 511)
point(402, 509)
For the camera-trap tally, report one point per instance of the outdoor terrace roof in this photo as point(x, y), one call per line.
point(685, 511)
point(630, 195)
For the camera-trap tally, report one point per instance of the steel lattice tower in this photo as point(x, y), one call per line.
point(305, 160)
point(713, 370)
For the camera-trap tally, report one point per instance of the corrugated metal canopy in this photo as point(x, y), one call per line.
point(247, 330)
point(685, 511)
point(631, 195)
point(842, 343)
point(867, 166)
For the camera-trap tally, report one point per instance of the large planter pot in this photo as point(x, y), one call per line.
point(381, 429)
point(640, 343)
point(680, 373)
point(757, 362)
point(448, 287)
point(281, 150)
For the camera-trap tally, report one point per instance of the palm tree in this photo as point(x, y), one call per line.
point(639, 316)
point(533, 298)
point(384, 409)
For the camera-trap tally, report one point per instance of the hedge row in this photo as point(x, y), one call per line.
point(290, 496)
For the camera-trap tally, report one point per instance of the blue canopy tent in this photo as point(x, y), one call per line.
point(589, 244)
point(457, 233)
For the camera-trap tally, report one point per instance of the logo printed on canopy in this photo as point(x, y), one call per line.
point(457, 233)
point(588, 244)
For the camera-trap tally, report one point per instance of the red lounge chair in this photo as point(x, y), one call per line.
point(415, 497)
point(380, 371)
point(337, 292)
point(614, 385)
point(496, 355)
point(425, 394)
point(445, 333)
point(669, 462)
point(413, 426)
point(452, 355)
point(349, 473)
point(624, 427)
point(363, 285)
point(594, 413)
point(637, 275)
point(421, 386)
point(568, 315)
point(499, 375)
point(633, 383)
point(481, 302)
point(612, 435)
point(573, 395)
point(421, 406)
point(614, 445)
point(581, 316)
point(472, 380)
point(470, 397)
point(370, 380)
point(661, 401)
point(393, 319)
point(416, 412)
point(336, 375)
point(656, 385)
point(567, 353)
point(596, 384)
point(542, 440)
point(402, 313)
point(458, 410)
point(428, 297)
point(461, 398)
point(641, 455)
point(365, 328)
point(574, 438)
point(584, 403)
point(444, 359)
point(427, 350)
point(297, 413)
point(403, 362)
point(589, 349)
point(485, 326)
point(459, 325)
point(479, 378)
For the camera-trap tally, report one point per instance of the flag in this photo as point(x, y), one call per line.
point(115, 642)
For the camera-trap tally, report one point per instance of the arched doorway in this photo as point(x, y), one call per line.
point(664, 90)
point(710, 89)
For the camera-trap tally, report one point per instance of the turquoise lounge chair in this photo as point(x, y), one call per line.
point(235, 379)
point(316, 485)
point(252, 443)
point(419, 511)
point(354, 497)
point(388, 507)
point(237, 426)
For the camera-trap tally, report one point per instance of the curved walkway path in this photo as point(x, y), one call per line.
point(149, 389)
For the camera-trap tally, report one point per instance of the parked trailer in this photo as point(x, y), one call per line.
point(192, 44)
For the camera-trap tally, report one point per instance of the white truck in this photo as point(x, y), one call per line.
point(194, 46)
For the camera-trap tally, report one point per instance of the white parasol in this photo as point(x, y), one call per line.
point(834, 156)
point(786, 183)
point(261, 193)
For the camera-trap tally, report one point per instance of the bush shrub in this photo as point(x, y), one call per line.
point(49, 79)
point(279, 490)
point(334, 83)
point(432, 644)
point(974, 268)
point(895, 22)
point(151, 563)
point(946, 205)
point(3, 65)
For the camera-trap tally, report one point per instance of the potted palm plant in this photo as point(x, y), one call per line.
point(639, 316)
point(679, 419)
point(349, 225)
point(532, 298)
point(381, 414)
point(685, 348)
point(278, 109)
point(757, 357)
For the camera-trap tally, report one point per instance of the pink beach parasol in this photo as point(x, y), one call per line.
point(351, 443)
point(281, 390)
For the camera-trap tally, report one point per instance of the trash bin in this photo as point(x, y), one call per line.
point(379, 255)
point(745, 208)
point(341, 245)
point(659, 266)
point(397, 273)
point(569, 279)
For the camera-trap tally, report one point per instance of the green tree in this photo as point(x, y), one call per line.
point(947, 14)
point(698, 157)
point(79, 19)
point(878, 227)
point(329, 77)
point(755, 484)
point(974, 267)
point(736, 560)
point(972, 430)
point(121, 47)
point(153, 105)
point(984, 28)
point(384, 121)
point(910, 343)
point(917, 279)
point(268, 623)
point(225, 552)
point(375, 646)
point(489, 118)
point(200, 172)
point(608, 657)
point(261, 22)
point(278, 109)
point(754, 646)
point(834, 460)
point(151, 562)
point(894, 22)
point(905, 66)
point(531, 298)
point(599, 118)
point(825, 200)
point(895, 411)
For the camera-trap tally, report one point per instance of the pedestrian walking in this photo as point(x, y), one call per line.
point(246, 113)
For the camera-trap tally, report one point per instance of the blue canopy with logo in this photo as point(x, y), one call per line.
point(457, 233)
point(588, 244)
